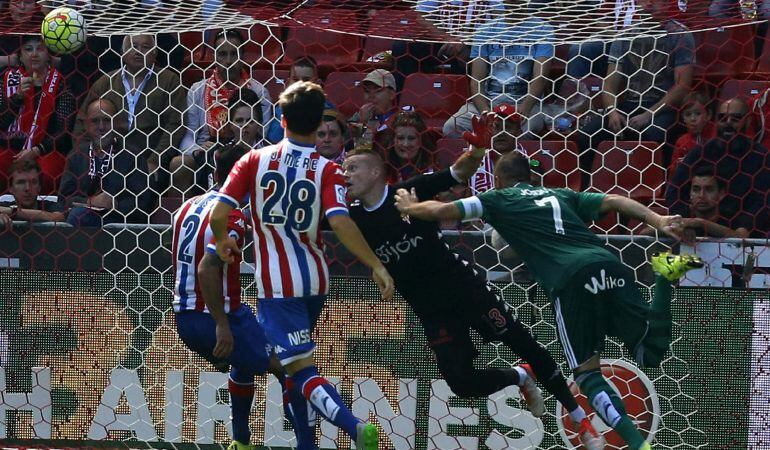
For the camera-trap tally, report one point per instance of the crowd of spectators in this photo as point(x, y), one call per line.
point(145, 131)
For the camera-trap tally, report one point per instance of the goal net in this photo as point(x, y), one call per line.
point(666, 102)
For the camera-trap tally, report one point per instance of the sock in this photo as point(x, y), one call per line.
point(522, 376)
point(577, 415)
point(609, 406)
point(241, 388)
point(325, 399)
point(661, 295)
point(651, 351)
point(303, 416)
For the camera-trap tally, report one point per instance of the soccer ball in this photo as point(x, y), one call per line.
point(64, 30)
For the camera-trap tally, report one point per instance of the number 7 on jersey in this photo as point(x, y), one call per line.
point(553, 202)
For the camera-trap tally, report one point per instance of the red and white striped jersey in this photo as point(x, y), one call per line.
point(192, 238)
point(289, 187)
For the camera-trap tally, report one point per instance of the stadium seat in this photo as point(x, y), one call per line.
point(559, 160)
point(192, 42)
point(330, 48)
point(629, 168)
point(746, 89)
point(447, 151)
point(436, 97)
point(410, 25)
point(274, 81)
point(763, 64)
point(725, 52)
point(263, 47)
point(342, 89)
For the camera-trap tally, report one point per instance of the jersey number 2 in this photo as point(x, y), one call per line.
point(553, 202)
point(189, 231)
point(298, 206)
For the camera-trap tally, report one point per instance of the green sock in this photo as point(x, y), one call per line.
point(609, 407)
point(661, 296)
point(658, 340)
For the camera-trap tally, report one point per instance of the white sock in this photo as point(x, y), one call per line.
point(577, 415)
point(523, 375)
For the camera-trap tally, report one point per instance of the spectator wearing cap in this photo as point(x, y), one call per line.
point(408, 146)
point(507, 131)
point(379, 109)
point(206, 120)
point(514, 74)
point(332, 136)
point(303, 69)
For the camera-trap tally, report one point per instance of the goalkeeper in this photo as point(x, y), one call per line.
point(448, 295)
point(592, 292)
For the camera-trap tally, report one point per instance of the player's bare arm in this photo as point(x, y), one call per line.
point(669, 225)
point(430, 210)
point(226, 245)
point(210, 275)
point(350, 236)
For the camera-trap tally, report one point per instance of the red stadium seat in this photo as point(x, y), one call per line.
point(629, 168)
point(436, 97)
point(263, 46)
point(447, 151)
point(410, 25)
point(746, 89)
point(330, 48)
point(725, 52)
point(342, 89)
point(559, 160)
point(274, 81)
point(763, 65)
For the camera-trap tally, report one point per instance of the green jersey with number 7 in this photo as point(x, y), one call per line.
point(547, 227)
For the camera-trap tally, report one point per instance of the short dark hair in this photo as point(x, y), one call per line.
point(225, 158)
point(513, 167)
point(228, 34)
point(302, 105)
point(306, 61)
point(245, 97)
point(22, 165)
point(708, 170)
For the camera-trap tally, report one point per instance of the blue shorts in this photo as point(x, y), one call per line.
point(250, 349)
point(289, 325)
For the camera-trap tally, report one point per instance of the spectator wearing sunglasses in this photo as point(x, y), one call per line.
point(742, 164)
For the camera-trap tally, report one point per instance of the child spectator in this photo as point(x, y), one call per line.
point(700, 128)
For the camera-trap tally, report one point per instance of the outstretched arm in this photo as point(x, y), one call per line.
point(670, 225)
point(348, 233)
point(431, 210)
point(479, 140)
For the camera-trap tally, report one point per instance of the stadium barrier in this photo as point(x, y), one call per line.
point(90, 353)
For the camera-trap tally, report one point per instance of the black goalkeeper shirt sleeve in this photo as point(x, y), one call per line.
point(429, 185)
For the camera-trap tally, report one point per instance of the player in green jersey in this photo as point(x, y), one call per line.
point(593, 294)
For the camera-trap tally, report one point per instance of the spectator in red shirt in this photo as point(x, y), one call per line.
point(700, 128)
